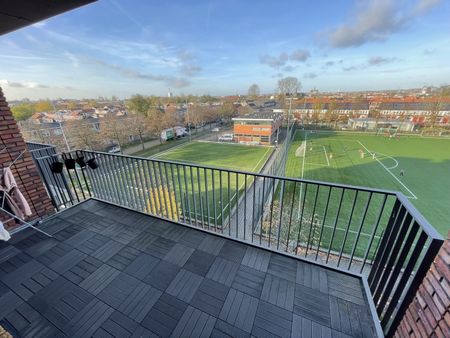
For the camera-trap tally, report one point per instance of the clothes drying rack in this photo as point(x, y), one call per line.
point(24, 224)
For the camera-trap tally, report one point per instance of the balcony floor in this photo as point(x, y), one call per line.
point(111, 272)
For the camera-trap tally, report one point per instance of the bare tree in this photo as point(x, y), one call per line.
point(114, 129)
point(139, 125)
point(253, 91)
point(83, 134)
point(289, 86)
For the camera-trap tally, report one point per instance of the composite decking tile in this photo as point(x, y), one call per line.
point(164, 315)
point(210, 297)
point(93, 243)
point(7, 252)
point(107, 250)
point(179, 254)
point(283, 267)
point(305, 328)
point(117, 325)
point(123, 258)
point(312, 276)
point(143, 241)
point(162, 275)
point(312, 304)
point(82, 269)
point(118, 290)
point(79, 238)
point(249, 281)
point(346, 287)
point(224, 330)
point(184, 285)
point(9, 301)
point(233, 251)
point(142, 265)
point(199, 262)
point(272, 321)
point(157, 228)
point(68, 232)
point(53, 254)
point(66, 262)
point(223, 271)
point(24, 321)
point(256, 258)
point(99, 279)
point(174, 233)
point(139, 302)
point(87, 321)
point(194, 323)
point(193, 239)
point(278, 291)
point(160, 247)
point(239, 310)
point(212, 244)
point(14, 262)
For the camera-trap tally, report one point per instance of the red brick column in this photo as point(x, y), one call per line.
point(25, 172)
point(428, 314)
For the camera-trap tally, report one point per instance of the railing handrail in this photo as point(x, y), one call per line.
point(277, 177)
point(419, 218)
point(45, 145)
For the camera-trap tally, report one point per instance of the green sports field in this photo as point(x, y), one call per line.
point(336, 157)
point(197, 198)
point(222, 155)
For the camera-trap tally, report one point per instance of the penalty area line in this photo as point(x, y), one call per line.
point(413, 196)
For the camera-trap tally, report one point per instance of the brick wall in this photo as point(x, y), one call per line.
point(428, 314)
point(25, 172)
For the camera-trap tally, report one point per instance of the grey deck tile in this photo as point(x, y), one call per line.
point(164, 315)
point(7, 252)
point(249, 281)
point(305, 328)
point(283, 267)
point(184, 285)
point(140, 301)
point(193, 238)
point(117, 325)
point(233, 251)
point(24, 321)
point(79, 238)
point(82, 270)
point(99, 279)
point(13, 263)
point(256, 258)
point(123, 258)
point(194, 323)
point(142, 265)
point(87, 321)
point(162, 275)
point(278, 291)
point(312, 304)
point(224, 330)
point(312, 276)
point(10, 301)
point(179, 254)
point(143, 241)
point(54, 253)
point(346, 287)
point(67, 261)
point(174, 233)
point(199, 262)
point(239, 310)
point(210, 297)
point(212, 244)
point(106, 251)
point(272, 321)
point(160, 247)
point(118, 290)
point(223, 271)
point(93, 243)
point(68, 232)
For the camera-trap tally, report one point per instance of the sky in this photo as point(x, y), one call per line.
point(118, 47)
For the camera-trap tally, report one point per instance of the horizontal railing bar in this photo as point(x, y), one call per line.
point(291, 179)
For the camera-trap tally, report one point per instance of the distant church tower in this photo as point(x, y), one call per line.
point(169, 94)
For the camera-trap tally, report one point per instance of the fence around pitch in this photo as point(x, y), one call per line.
point(374, 232)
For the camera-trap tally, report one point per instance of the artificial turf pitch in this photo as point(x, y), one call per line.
point(336, 157)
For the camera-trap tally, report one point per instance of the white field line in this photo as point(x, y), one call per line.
point(169, 150)
point(234, 195)
point(396, 162)
point(387, 169)
point(326, 155)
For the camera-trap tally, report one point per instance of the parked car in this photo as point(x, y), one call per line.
point(114, 150)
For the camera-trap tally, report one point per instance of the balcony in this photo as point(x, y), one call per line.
point(302, 256)
point(108, 270)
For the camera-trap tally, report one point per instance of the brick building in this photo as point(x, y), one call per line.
point(257, 128)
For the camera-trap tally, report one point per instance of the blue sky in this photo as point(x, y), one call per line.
point(117, 47)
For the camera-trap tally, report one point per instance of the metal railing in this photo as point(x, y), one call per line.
point(38, 150)
point(373, 232)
